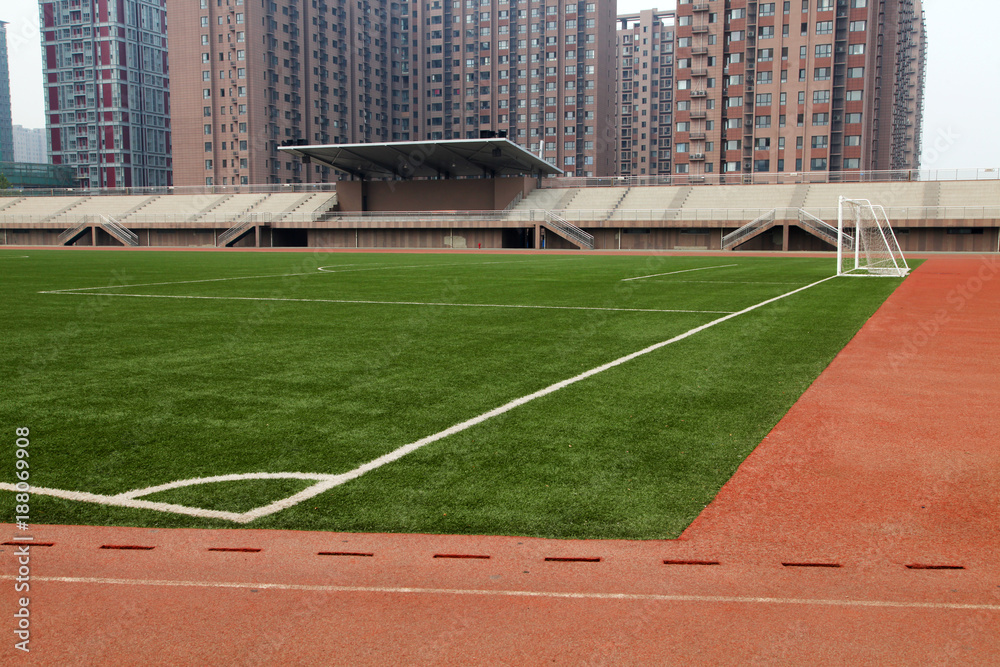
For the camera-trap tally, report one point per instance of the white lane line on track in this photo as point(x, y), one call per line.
point(400, 590)
point(401, 303)
point(671, 273)
point(329, 481)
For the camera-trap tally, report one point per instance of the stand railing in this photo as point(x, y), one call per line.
point(119, 231)
point(733, 239)
point(236, 231)
point(823, 229)
point(570, 231)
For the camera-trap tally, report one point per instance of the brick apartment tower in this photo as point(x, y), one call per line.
point(645, 90)
point(106, 85)
point(800, 85)
point(543, 72)
point(254, 75)
point(6, 128)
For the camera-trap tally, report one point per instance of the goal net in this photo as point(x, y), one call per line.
point(866, 244)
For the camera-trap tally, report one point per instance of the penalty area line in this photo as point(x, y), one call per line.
point(401, 303)
point(671, 273)
point(407, 590)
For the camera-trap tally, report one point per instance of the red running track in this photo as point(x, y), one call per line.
point(863, 530)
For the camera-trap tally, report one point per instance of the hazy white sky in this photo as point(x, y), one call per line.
point(960, 109)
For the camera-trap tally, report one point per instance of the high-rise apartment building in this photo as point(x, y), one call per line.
point(543, 71)
point(799, 85)
point(6, 129)
point(30, 145)
point(715, 87)
point(645, 92)
point(107, 94)
point(252, 76)
point(267, 73)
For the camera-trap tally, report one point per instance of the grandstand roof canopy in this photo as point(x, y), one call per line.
point(451, 158)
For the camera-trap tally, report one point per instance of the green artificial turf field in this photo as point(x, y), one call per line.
point(222, 363)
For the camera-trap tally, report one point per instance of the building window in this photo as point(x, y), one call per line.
point(762, 121)
point(859, 26)
point(852, 118)
point(855, 72)
point(821, 97)
point(818, 164)
point(856, 49)
point(852, 163)
point(820, 141)
point(824, 27)
point(853, 96)
point(821, 119)
point(852, 140)
point(824, 50)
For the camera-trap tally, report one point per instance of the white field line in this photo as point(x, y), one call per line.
point(400, 303)
point(329, 481)
point(731, 282)
point(399, 590)
point(377, 267)
point(670, 273)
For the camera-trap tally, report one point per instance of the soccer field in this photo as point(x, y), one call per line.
point(547, 395)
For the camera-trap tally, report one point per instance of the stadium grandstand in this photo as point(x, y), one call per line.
point(493, 194)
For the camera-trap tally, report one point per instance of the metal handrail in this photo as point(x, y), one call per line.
point(824, 229)
point(236, 230)
point(746, 231)
point(570, 230)
point(119, 231)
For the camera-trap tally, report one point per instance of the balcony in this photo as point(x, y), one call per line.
point(699, 72)
point(701, 7)
point(699, 93)
point(697, 157)
point(699, 51)
point(698, 114)
point(699, 29)
point(697, 136)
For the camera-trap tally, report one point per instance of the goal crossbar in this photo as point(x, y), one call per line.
point(876, 251)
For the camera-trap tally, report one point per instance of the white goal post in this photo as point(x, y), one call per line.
point(872, 246)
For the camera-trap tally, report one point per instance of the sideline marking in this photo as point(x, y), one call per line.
point(403, 303)
point(329, 481)
point(653, 597)
point(670, 273)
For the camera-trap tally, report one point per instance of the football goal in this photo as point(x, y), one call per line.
point(872, 250)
